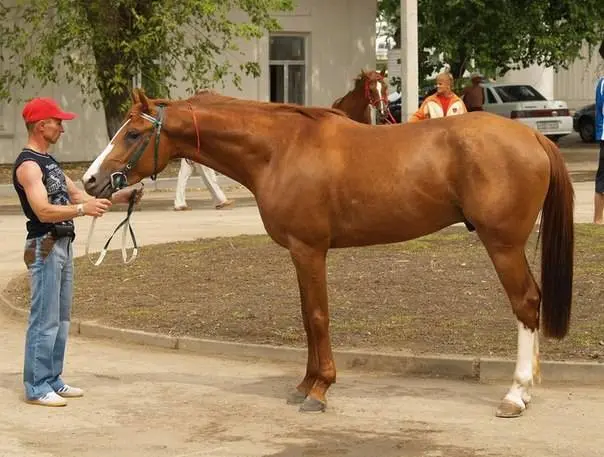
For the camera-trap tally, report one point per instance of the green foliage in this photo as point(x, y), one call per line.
point(503, 35)
point(101, 45)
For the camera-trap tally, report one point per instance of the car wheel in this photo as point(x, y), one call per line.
point(586, 130)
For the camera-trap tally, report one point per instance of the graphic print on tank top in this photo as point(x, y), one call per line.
point(56, 187)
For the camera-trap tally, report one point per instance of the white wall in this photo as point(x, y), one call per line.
point(577, 84)
point(341, 43)
point(84, 136)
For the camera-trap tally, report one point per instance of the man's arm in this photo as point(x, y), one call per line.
point(75, 195)
point(600, 95)
point(29, 176)
point(420, 114)
point(461, 104)
point(78, 196)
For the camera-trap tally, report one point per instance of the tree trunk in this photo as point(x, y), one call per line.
point(114, 96)
point(115, 85)
point(114, 117)
point(113, 103)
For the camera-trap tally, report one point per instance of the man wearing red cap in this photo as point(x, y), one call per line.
point(50, 201)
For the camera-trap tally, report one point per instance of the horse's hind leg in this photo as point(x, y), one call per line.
point(525, 297)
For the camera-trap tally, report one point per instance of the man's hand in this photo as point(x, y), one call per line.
point(96, 207)
point(123, 195)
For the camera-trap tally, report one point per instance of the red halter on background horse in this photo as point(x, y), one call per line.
point(369, 95)
point(307, 169)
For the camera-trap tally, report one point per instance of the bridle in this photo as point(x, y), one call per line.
point(119, 179)
point(374, 102)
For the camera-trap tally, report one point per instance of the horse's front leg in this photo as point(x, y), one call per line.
point(320, 368)
point(312, 360)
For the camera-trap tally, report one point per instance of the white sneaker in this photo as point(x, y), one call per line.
point(70, 392)
point(49, 399)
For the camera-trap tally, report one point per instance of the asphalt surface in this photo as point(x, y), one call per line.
point(143, 401)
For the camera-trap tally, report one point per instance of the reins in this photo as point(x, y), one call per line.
point(127, 227)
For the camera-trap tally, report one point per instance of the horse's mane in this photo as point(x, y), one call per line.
point(210, 97)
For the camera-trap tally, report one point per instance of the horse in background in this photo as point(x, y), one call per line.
point(367, 102)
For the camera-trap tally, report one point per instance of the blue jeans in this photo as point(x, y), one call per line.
point(50, 264)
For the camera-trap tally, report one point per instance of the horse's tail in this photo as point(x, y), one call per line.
point(337, 102)
point(557, 245)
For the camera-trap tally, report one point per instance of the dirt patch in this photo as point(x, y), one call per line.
point(436, 294)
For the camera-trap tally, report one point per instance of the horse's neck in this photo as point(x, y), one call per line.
point(355, 105)
point(228, 145)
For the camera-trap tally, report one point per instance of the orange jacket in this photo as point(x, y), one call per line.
point(431, 108)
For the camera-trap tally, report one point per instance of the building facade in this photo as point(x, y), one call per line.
point(321, 48)
point(575, 84)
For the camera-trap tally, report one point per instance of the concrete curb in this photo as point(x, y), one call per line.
point(449, 367)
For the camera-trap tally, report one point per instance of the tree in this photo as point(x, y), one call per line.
point(101, 45)
point(501, 36)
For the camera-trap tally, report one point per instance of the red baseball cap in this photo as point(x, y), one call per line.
point(41, 108)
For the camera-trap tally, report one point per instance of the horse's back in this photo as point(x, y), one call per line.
point(411, 179)
point(496, 169)
point(470, 140)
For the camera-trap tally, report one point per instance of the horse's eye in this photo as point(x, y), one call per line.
point(132, 135)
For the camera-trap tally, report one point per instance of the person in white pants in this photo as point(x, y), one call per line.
point(208, 175)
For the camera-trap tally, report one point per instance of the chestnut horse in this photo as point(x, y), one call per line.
point(307, 169)
point(367, 102)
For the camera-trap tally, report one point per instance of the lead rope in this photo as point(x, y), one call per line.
point(126, 227)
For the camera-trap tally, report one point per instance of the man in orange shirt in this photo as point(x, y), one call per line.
point(441, 104)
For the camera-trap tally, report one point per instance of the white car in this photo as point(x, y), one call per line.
point(525, 104)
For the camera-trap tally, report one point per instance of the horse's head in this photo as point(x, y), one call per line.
point(136, 151)
point(376, 92)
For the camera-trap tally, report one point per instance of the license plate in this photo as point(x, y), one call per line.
point(548, 125)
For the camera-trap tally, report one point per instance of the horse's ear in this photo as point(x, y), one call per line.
point(383, 72)
point(135, 96)
point(143, 100)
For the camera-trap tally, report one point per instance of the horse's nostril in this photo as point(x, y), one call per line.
point(91, 180)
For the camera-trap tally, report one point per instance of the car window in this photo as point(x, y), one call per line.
point(510, 94)
point(490, 96)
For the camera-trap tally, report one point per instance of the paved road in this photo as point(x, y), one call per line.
point(154, 403)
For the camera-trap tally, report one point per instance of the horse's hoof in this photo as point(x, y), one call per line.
point(295, 398)
point(312, 405)
point(508, 409)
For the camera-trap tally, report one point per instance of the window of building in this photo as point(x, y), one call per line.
point(287, 62)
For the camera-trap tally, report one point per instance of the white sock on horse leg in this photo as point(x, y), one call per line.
point(523, 374)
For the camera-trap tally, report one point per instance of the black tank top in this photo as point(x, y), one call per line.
point(56, 188)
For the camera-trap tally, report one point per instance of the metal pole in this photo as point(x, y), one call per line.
point(409, 59)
